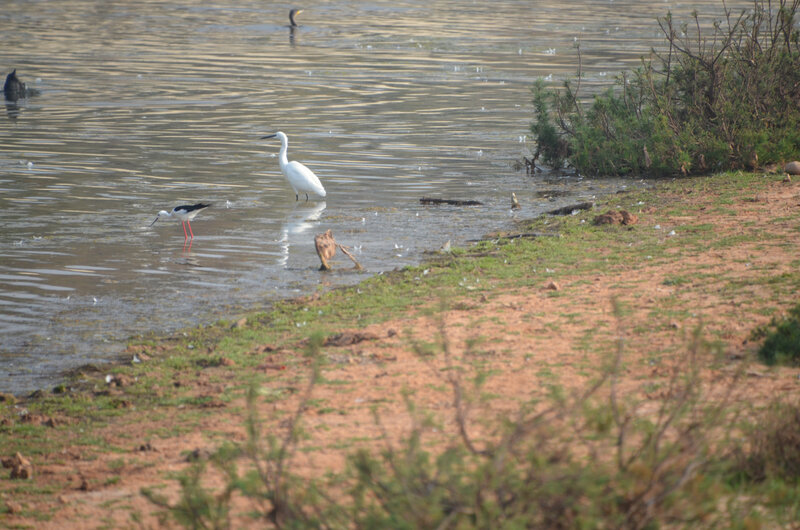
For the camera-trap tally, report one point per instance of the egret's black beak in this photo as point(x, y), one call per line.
point(154, 220)
point(270, 136)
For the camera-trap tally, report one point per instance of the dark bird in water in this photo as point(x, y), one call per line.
point(14, 89)
point(292, 13)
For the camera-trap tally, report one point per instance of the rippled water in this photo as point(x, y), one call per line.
point(149, 104)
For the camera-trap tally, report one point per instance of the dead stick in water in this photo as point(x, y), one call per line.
point(515, 236)
point(346, 253)
point(454, 202)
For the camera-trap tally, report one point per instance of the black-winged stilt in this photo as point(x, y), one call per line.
point(184, 212)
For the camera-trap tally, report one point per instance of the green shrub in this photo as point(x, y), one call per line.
point(592, 460)
point(782, 344)
point(726, 101)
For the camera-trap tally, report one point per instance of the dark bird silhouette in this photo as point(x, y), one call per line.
point(292, 13)
point(14, 89)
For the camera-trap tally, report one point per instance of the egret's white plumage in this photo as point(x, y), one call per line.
point(299, 176)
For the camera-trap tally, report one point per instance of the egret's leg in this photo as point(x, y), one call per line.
point(190, 228)
point(185, 236)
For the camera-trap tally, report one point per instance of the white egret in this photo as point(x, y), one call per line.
point(299, 176)
point(184, 212)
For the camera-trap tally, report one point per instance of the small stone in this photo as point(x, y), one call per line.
point(552, 286)
point(349, 338)
point(792, 168)
point(242, 322)
point(787, 178)
point(119, 380)
point(611, 217)
point(628, 218)
point(21, 467)
point(198, 454)
point(13, 507)
point(7, 398)
point(608, 218)
point(674, 325)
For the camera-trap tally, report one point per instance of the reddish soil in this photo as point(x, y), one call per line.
point(527, 337)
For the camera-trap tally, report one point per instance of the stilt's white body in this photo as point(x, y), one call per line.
point(185, 212)
point(302, 179)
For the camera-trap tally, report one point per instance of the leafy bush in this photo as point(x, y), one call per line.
point(726, 101)
point(591, 460)
point(782, 344)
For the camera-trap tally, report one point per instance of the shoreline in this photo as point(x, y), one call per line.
point(570, 192)
point(713, 254)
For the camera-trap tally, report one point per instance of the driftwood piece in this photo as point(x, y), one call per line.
point(514, 202)
point(326, 249)
point(346, 251)
point(523, 235)
point(453, 202)
point(567, 210)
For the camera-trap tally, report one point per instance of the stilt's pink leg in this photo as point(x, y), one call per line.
point(185, 236)
point(190, 227)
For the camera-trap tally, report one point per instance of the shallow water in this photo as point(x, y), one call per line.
point(146, 105)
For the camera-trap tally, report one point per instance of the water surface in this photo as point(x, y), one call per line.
point(149, 104)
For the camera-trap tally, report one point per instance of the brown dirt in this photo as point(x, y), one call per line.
point(530, 338)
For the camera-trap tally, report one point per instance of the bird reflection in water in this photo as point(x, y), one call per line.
point(298, 227)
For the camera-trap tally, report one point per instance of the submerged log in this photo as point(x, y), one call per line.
point(523, 235)
point(567, 210)
point(453, 202)
point(326, 249)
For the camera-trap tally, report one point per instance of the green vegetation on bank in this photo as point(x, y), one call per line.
point(724, 98)
point(781, 340)
point(677, 468)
